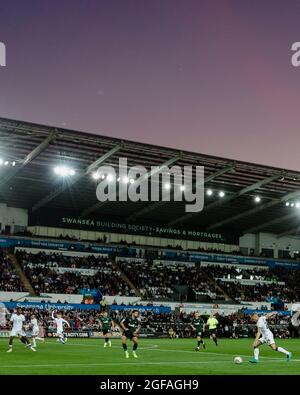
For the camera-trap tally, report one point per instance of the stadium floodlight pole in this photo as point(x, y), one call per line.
point(269, 223)
point(46, 199)
point(156, 205)
point(255, 210)
point(228, 198)
point(29, 158)
point(150, 173)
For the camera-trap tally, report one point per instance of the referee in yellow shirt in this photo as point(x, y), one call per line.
point(212, 324)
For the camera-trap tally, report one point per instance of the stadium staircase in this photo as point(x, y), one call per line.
point(21, 274)
point(125, 278)
point(216, 286)
point(180, 292)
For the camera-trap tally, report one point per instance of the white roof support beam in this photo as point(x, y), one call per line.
point(227, 199)
point(156, 205)
point(28, 158)
point(150, 173)
point(255, 210)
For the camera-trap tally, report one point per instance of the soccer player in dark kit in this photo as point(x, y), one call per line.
point(130, 326)
point(107, 324)
point(197, 325)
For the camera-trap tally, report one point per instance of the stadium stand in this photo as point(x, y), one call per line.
point(63, 244)
point(58, 273)
point(151, 279)
point(159, 324)
point(251, 284)
point(291, 278)
point(160, 281)
point(9, 279)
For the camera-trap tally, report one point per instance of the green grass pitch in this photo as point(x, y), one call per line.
point(156, 357)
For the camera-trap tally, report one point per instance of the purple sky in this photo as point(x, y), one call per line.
point(209, 76)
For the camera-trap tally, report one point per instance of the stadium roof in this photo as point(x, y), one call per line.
point(28, 181)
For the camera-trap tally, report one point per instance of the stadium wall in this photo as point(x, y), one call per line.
point(267, 241)
point(69, 298)
point(65, 253)
point(87, 248)
point(204, 308)
point(45, 231)
point(12, 219)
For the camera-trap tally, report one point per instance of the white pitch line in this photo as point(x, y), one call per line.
point(156, 348)
point(223, 354)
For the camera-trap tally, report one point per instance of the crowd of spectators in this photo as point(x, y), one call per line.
point(46, 276)
point(161, 324)
point(9, 279)
point(152, 282)
point(156, 280)
point(159, 280)
point(60, 260)
point(291, 277)
point(257, 292)
point(261, 283)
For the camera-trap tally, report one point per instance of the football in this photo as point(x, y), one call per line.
point(238, 360)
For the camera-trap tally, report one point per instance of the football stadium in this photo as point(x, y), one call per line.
point(93, 286)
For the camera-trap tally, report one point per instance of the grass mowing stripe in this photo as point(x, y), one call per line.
point(95, 346)
point(89, 357)
point(218, 353)
point(112, 364)
point(156, 348)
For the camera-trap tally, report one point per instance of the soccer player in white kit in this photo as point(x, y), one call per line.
point(18, 321)
point(264, 335)
point(59, 322)
point(35, 330)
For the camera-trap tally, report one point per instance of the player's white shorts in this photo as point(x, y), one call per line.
point(60, 333)
point(15, 332)
point(35, 332)
point(267, 338)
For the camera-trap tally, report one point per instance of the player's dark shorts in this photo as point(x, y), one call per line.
point(105, 331)
point(199, 334)
point(129, 335)
point(213, 331)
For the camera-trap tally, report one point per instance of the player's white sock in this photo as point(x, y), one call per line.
point(256, 353)
point(34, 343)
point(280, 349)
